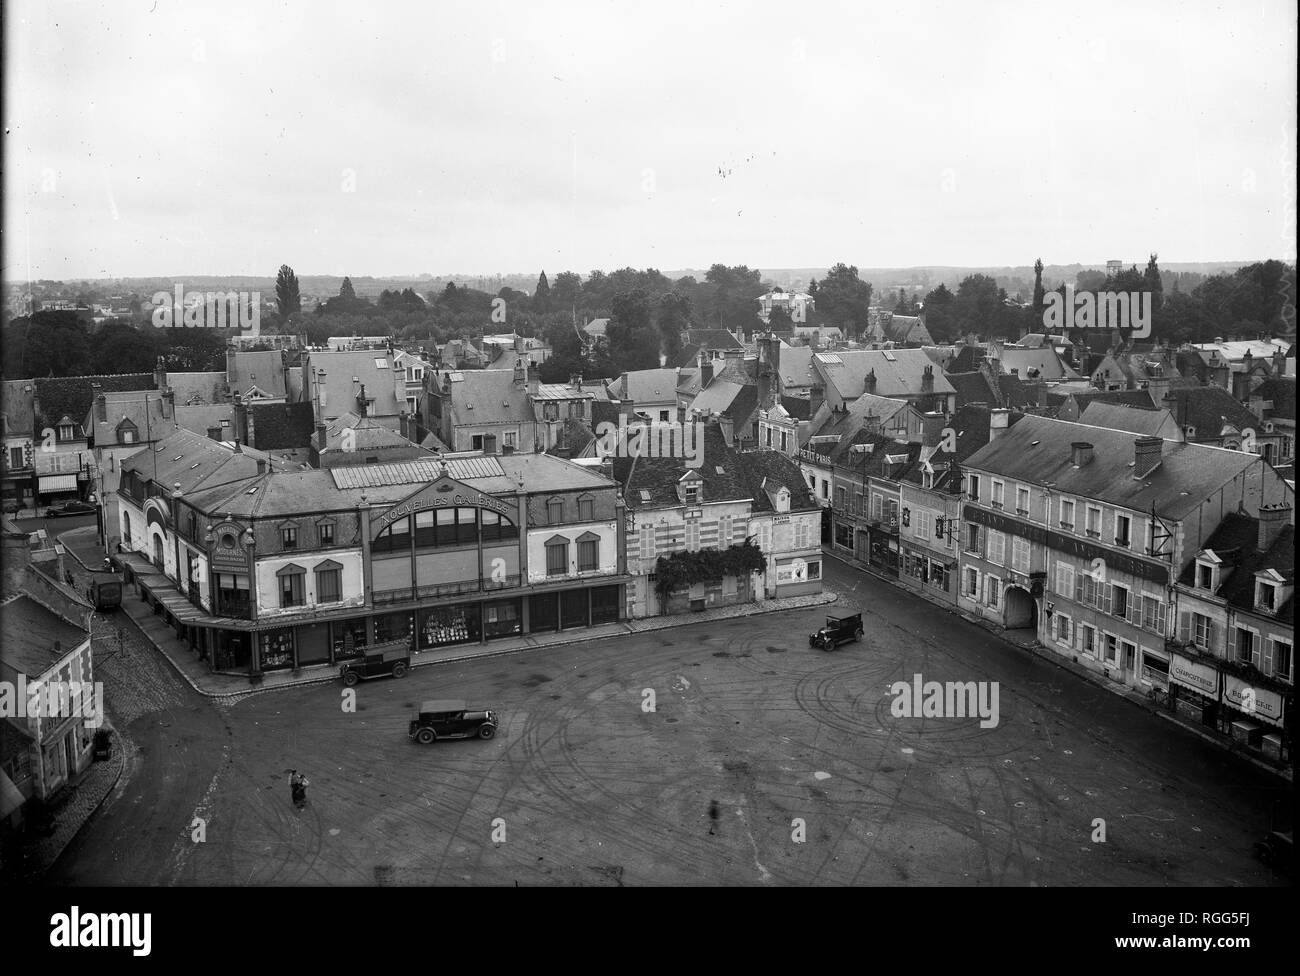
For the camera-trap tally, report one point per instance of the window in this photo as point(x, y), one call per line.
point(476, 442)
point(647, 542)
point(1022, 501)
point(1088, 640)
point(586, 508)
point(1020, 555)
point(445, 527)
point(1091, 590)
point(289, 537)
point(970, 582)
point(555, 511)
point(1282, 659)
point(394, 538)
point(1123, 531)
point(939, 575)
point(1204, 576)
point(972, 538)
point(993, 591)
point(557, 558)
point(995, 497)
point(510, 439)
point(326, 530)
point(691, 494)
point(65, 432)
point(1094, 522)
point(329, 583)
point(291, 586)
point(1265, 596)
point(16, 458)
point(843, 498)
point(466, 526)
point(1245, 645)
point(693, 536)
point(1065, 579)
point(921, 525)
point(815, 570)
point(1111, 645)
point(1061, 625)
point(1153, 614)
point(973, 487)
point(588, 555)
point(1067, 513)
point(725, 533)
point(1201, 630)
point(997, 547)
point(128, 435)
point(1119, 600)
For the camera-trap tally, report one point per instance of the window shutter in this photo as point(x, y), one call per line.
point(1078, 588)
point(1257, 652)
point(1268, 657)
point(1103, 599)
point(1209, 634)
point(1184, 627)
point(1232, 644)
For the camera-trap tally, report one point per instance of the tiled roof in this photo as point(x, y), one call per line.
point(713, 339)
point(717, 397)
point(72, 396)
point(1236, 542)
point(28, 630)
point(1038, 451)
point(143, 409)
point(263, 368)
point(1281, 390)
point(196, 462)
point(898, 372)
point(645, 386)
point(1209, 409)
point(488, 396)
point(342, 392)
point(196, 388)
point(1150, 423)
point(651, 482)
point(280, 426)
point(972, 388)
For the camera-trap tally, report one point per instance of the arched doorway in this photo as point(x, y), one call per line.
point(1020, 609)
point(157, 550)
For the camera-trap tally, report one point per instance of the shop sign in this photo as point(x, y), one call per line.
point(1257, 702)
point(1198, 677)
point(444, 493)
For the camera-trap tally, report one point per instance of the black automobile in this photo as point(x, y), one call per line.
point(840, 628)
point(393, 657)
point(451, 720)
point(69, 508)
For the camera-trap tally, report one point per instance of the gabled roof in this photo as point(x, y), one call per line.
point(263, 369)
point(796, 366)
point(716, 398)
point(1236, 543)
point(645, 386)
point(28, 630)
point(72, 396)
point(489, 396)
point(143, 410)
point(713, 339)
point(651, 482)
point(1149, 423)
point(342, 392)
point(1209, 409)
point(972, 388)
point(196, 462)
point(198, 388)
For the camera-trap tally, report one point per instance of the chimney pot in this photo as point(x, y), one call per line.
point(1272, 519)
point(1146, 455)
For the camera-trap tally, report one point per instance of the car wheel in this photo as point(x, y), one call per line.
point(350, 678)
point(486, 731)
point(399, 669)
point(425, 736)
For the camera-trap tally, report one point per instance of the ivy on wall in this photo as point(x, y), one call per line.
point(682, 570)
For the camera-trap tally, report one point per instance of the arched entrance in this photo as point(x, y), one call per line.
point(157, 550)
point(1021, 611)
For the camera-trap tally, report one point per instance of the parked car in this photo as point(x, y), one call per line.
point(451, 720)
point(391, 658)
point(1276, 851)
point(840, 628)
point(69, 508)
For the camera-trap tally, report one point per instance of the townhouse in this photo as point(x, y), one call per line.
point(1076, 534)
point(696, 521)
point(263, 567)
point(905, 374)
point(1232, 652)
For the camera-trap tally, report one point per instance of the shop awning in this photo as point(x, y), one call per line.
point(1198, 677)
point(1256, 702)
point(58, 482)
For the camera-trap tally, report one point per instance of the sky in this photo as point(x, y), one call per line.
point(155, 138)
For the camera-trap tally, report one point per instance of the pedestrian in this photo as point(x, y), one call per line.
point(298, 788)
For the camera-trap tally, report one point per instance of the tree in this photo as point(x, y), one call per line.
point(844, 298)
point(566, 291)
point(542, 294)
point(123, 349)
point(731, 301)
point(1038, 304)
point(1153, 284)
point(346, 291)
point(56, 344)
point(674, 318)
point(939, 320)
point(286, 293)
point(633, 340)
point(977, 305)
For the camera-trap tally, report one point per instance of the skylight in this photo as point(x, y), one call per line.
point(381, 364)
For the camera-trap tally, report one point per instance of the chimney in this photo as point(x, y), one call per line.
point(1000, 420)
point(818, 398)
point(521, 375)
point(932, 425)
point(1158, 387)
point(1272, 519)
point(870, 383)
point(728, 427)
point(1080, 453)
point(101, 405)
point(322, 393)
point(927, 379)
point(241, 421)
point(706, 371)
point(871, 423)
point(261, 465)
point(1146, 455)
point(361, 402)
point(520, 344)
point(534, 375)
point(215, 433)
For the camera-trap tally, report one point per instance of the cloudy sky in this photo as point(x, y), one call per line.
point(150, 137)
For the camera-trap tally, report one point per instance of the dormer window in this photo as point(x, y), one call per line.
point(65, 432)
point(691, 494)
point(1207, 575)
point(1265, 596)
point(127, 433)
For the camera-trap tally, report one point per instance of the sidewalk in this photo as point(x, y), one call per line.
point(82, 546)
point(1036, 649)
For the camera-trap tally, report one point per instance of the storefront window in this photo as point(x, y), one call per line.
point(393, 626)
point(502, 619)
point(276, 649)
point(604, 605)
point(349, 637)
point(444, 626)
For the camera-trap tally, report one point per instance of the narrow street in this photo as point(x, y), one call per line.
point(753, 734)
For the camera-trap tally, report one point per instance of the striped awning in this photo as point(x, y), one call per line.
point(58, 482)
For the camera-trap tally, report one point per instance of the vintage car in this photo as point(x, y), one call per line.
point(68, 509)
point(840, 627)
point(451, 720)
point(393, 657)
